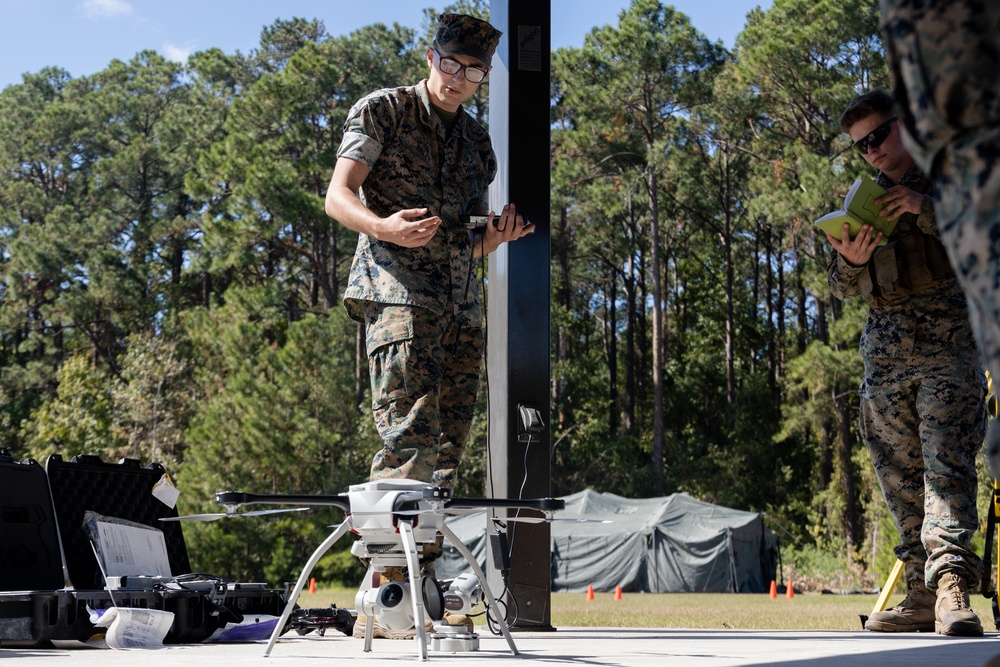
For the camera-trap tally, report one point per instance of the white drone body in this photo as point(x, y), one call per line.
point(374, 516)
point(373, 505)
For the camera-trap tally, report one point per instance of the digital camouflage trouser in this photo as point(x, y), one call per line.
point(923, 420)
point(424, 375)
point(945, 62)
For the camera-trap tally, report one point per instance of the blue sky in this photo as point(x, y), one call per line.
point(83, 36)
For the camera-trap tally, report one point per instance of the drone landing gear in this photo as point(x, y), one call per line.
point(416, 597)
point(390, 538)
point(300, 584)
point(471, 560)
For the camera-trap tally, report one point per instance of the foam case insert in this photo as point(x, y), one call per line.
point(122, 490)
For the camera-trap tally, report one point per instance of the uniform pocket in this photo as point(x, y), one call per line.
point(388, 352)
point(387, 330)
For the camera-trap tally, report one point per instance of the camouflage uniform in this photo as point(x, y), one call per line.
point(945, 61)
point(421, 306)
point(922, 411)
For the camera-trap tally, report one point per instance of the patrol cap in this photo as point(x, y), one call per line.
point(466, 35)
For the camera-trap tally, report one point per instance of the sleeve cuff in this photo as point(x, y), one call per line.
point(360, 147)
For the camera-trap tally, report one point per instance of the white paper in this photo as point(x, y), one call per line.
point(165, 491)
point(132, 551)
point(135, 628)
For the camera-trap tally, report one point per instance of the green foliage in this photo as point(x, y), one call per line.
point(273, 420)
point(78, 419)
point(267, 178)
point(816, 568)
point(340, 567)
point(153, 401)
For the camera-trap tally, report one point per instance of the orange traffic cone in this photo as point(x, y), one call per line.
point(774, 589)
point(618, 592)
point(590, 593)
point(790, 591)
point(312, 585)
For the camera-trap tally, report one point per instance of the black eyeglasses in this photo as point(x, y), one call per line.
point(874, 138)
point(473, 74)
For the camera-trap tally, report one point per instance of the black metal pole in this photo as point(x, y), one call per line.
point(518, 293)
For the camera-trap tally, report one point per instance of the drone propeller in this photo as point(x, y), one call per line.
point(549, 519)
point(466, 511)
point(222, 515)
point(545, 519)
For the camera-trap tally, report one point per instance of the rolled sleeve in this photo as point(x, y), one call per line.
point(368, 128)
point(361, 147)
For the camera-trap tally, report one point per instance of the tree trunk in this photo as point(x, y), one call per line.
point(612, 348)
point(779, 312)
point(771, 313)
point(727, 243)
point(658, 435)
point(802, 306)
point(631, 321)
point(561, 260)
point(845, 439)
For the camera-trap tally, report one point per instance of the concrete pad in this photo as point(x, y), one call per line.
point(573, 646)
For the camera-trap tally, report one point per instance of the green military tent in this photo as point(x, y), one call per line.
point(671, 544)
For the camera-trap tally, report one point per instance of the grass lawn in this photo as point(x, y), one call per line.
point(805, 611)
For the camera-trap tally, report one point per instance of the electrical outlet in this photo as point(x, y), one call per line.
point(529, 421)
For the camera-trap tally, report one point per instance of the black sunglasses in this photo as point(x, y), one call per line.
point(472, 73)
point(874, 138)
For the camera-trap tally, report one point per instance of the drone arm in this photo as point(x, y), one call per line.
point(238, 498)
point(540, 504)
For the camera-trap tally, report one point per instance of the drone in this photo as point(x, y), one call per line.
point(396, 519)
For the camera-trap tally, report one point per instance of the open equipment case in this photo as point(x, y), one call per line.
point(49, 574)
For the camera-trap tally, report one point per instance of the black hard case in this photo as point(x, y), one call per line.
point(29, 545)
point(48, 597)
point(32, 608)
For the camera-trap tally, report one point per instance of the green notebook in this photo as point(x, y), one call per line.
point(859, 208)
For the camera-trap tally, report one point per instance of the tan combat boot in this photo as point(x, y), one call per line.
point(460, 620)
point(914, 614)
point(953, 614)
point(391, 574)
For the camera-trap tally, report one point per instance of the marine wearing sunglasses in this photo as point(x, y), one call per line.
point(869, 123)
point(875, 137)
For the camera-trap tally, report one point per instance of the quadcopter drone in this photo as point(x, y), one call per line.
point(397, 520)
